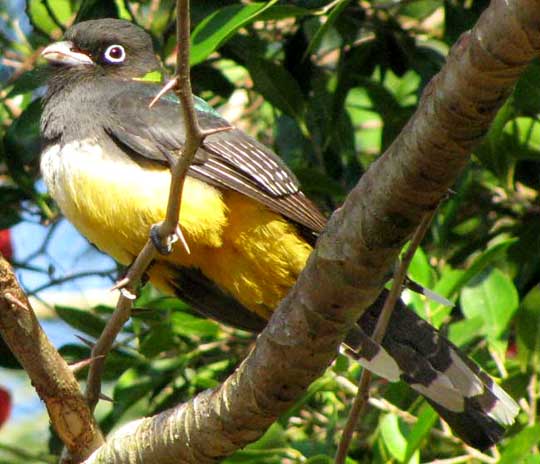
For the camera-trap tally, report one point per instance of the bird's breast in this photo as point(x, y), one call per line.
point(113, 200)
point(252, 253)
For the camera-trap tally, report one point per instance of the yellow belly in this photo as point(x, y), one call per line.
point(250, 252)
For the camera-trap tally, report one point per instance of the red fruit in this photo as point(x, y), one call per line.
point(5, 244)
point(5, 405)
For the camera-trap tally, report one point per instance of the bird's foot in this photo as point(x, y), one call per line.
point(164, 245)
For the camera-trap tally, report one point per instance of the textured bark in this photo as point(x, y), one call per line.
point(352, 258)
point(50, 375)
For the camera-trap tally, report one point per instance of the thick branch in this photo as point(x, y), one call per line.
point(350, 263)
point(50, 375)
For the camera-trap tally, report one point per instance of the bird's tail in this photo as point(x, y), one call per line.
point(468, 399)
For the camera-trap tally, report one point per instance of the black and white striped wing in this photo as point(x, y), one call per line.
point(229, 159)
point(235, 160)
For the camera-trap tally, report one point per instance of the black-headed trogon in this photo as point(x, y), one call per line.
point(249, 227)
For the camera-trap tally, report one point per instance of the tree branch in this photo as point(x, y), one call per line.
point(347, 269)
point(50, 375)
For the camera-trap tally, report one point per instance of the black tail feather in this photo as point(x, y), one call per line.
point(474, 406)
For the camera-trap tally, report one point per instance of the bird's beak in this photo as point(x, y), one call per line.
point(66, 54)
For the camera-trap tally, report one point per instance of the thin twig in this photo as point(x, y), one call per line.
point(456, 460)
point(532, 390)
point(169, 227)
point(499, 362)
point(474, 453)
point(87, 342)
point(102, 348)
point(45, 243)
point(69, 278)
point(76, 367)
point(27, 456)
point(384, 405)
point(362, 395)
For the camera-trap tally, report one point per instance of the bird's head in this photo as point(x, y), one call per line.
point(109, 47)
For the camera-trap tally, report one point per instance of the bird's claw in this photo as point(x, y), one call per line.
point(163, 246)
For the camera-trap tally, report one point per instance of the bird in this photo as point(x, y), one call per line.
point(106, 159)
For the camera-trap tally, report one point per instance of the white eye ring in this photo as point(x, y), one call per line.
point(115, 54)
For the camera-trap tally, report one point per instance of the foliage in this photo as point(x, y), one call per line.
point(329, 84)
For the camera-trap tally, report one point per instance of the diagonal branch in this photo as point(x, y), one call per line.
point(50, 375)
point(361, 242)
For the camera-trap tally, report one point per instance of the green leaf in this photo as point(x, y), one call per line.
point(388, 104)
point(83, 321)
point(207, 78)
point(277, 12)
point(10, 205)
point(420, 430)
point(162, 303)
point(393, 437)
point(74, 352)
point(493, 297)
point(266, 456)
point(320, 460)
point(277, 86)
point(159, 339)
point(7, 358)
point(444, 287)
point(28, 82)
point(496, 152)
point(419, 9)
point(131, 387)
point(532, 459)
point(274, 437)
point(459, 16)
point(118, 361)
point(155, 77)
point(528, 325)
point(527, 92)
point(524, 133)
point(321, 384)
point(462, 332)
point(48, 16)
point(325, 26)
point(519, 447)
point(188, 325)
point(420, 270)
point(487, 258)
point(22, 139)
point(95, 9)
point(341, 364)
point(217, 28)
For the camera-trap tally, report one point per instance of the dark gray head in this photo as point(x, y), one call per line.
point(94, 60)
point(111, 47)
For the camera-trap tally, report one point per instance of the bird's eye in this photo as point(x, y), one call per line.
point(115, 54)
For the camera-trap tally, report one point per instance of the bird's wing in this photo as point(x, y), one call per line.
point(229, 159)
